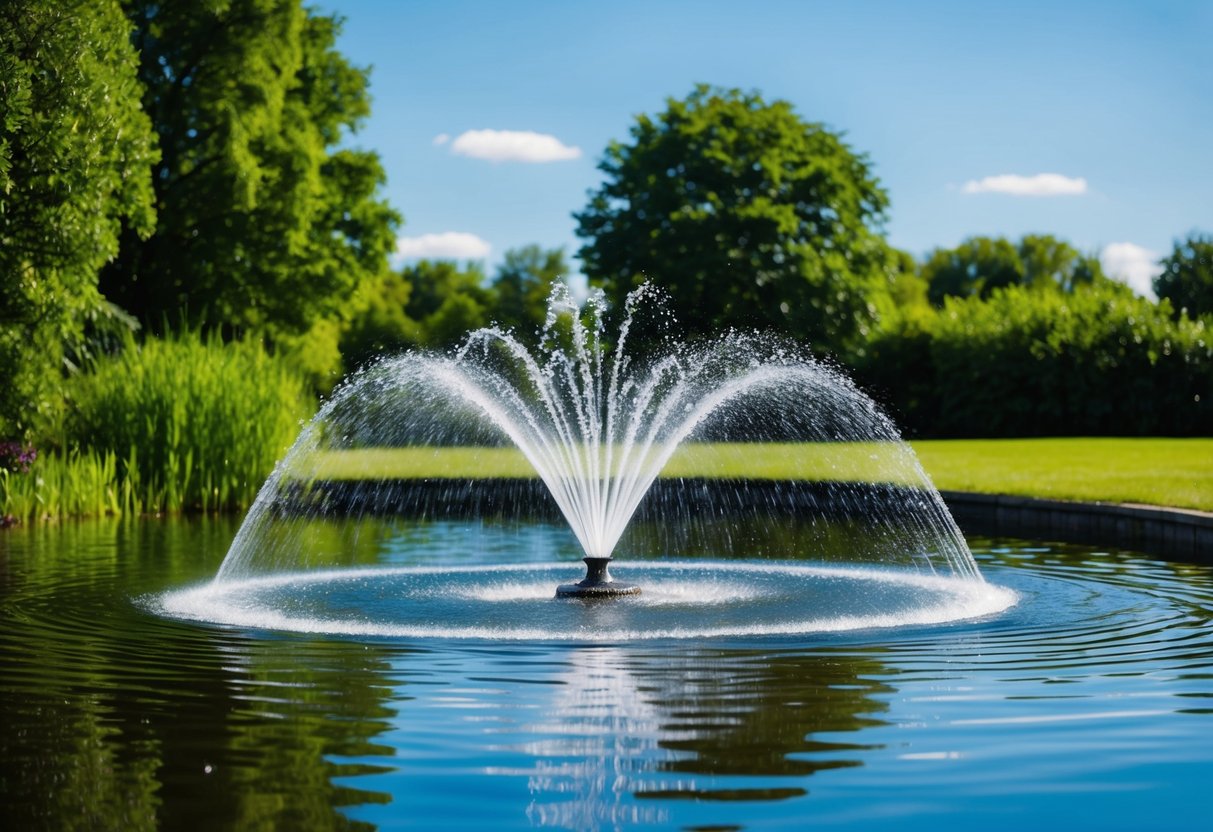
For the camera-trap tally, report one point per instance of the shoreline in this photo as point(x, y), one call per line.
point(1173, 533)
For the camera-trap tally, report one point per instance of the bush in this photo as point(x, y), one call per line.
point(194, 423)
point(1097, 361)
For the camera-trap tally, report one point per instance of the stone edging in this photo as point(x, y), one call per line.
point(1182, 534)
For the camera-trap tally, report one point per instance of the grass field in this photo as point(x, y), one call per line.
point(1163, 472)
point(1170, 472)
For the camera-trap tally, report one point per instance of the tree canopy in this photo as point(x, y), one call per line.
point(264, 222)
point(746, 214)
point(76, 152)
point(523, 284)
point(1187, 275)
point(434, 303)
point(979, 265)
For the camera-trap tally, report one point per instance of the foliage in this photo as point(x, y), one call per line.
point(522, 286)
point(57, 486)
point(314, 355)
point(459, 313)
point(446, 300)
point(434, 303)
point(264, 223)
point(1052, 263)
point(980, 265)
point(194, 423)
point(75, 151)
point(746, 214)
point(380, 326)
point(1098, 361)
point(1187, 275)
point(431, 303)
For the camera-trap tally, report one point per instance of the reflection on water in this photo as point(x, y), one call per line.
point(621, 726)
point(1088, 702)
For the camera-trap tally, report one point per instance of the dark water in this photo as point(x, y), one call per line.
point(1089, 704)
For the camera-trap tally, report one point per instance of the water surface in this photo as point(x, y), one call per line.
point(1088, 702)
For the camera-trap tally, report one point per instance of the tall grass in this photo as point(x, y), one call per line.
point(66, 485)
point(191, 422)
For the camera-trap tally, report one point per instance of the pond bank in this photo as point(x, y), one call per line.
point(1173, 533)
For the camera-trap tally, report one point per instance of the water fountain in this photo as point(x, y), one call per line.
point(710, 450)
point(382, 639)
point(796, 657)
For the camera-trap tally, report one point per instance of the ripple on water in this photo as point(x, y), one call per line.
point(679, 600)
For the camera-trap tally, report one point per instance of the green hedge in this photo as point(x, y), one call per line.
point(1025, 362)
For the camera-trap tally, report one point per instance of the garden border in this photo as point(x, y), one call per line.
point(1174, 533)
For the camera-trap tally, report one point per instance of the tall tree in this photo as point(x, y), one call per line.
point(747, 214)
point(263, 222)
point(75, 156)
point(1187, 275)
point(523, 284)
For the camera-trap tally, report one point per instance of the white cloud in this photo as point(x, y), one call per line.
point(513, 146)
point(441, 139)
point(1131, 264)
point(449, 245)
point(1042, 184)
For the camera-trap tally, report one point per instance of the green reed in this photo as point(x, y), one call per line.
point(192, 422)
point(75, 484)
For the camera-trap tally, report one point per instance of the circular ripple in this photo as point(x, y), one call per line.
point(679, 600)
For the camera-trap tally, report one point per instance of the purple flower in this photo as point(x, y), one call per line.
point(16, 458)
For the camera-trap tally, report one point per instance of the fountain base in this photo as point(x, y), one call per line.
point(598, 583)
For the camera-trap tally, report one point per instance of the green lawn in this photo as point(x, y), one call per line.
point(1164, 472)
point(1171, 472)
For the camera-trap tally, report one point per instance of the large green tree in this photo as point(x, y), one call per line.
point(265, 221)
point(1187, 275)
point(979, 265)
point(75, 157)
point(747, 214)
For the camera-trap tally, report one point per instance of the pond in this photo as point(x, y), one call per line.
point(1088, 702)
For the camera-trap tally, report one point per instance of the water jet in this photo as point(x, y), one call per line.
point(667, 449)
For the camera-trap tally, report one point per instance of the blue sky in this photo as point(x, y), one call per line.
point(960, 107)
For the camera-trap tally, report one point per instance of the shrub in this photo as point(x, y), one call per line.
point(1097, 361)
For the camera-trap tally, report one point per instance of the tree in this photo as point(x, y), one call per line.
point(979, 265)
point(976, 267)
point(380, 326)
point(264, 224)
point(746, 214)
point(523, 284)
point(1187, 275)
point(75, 156)
point(446, 301)
point(1053, 263)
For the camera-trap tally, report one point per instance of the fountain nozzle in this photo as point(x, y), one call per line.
point(598, 583)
